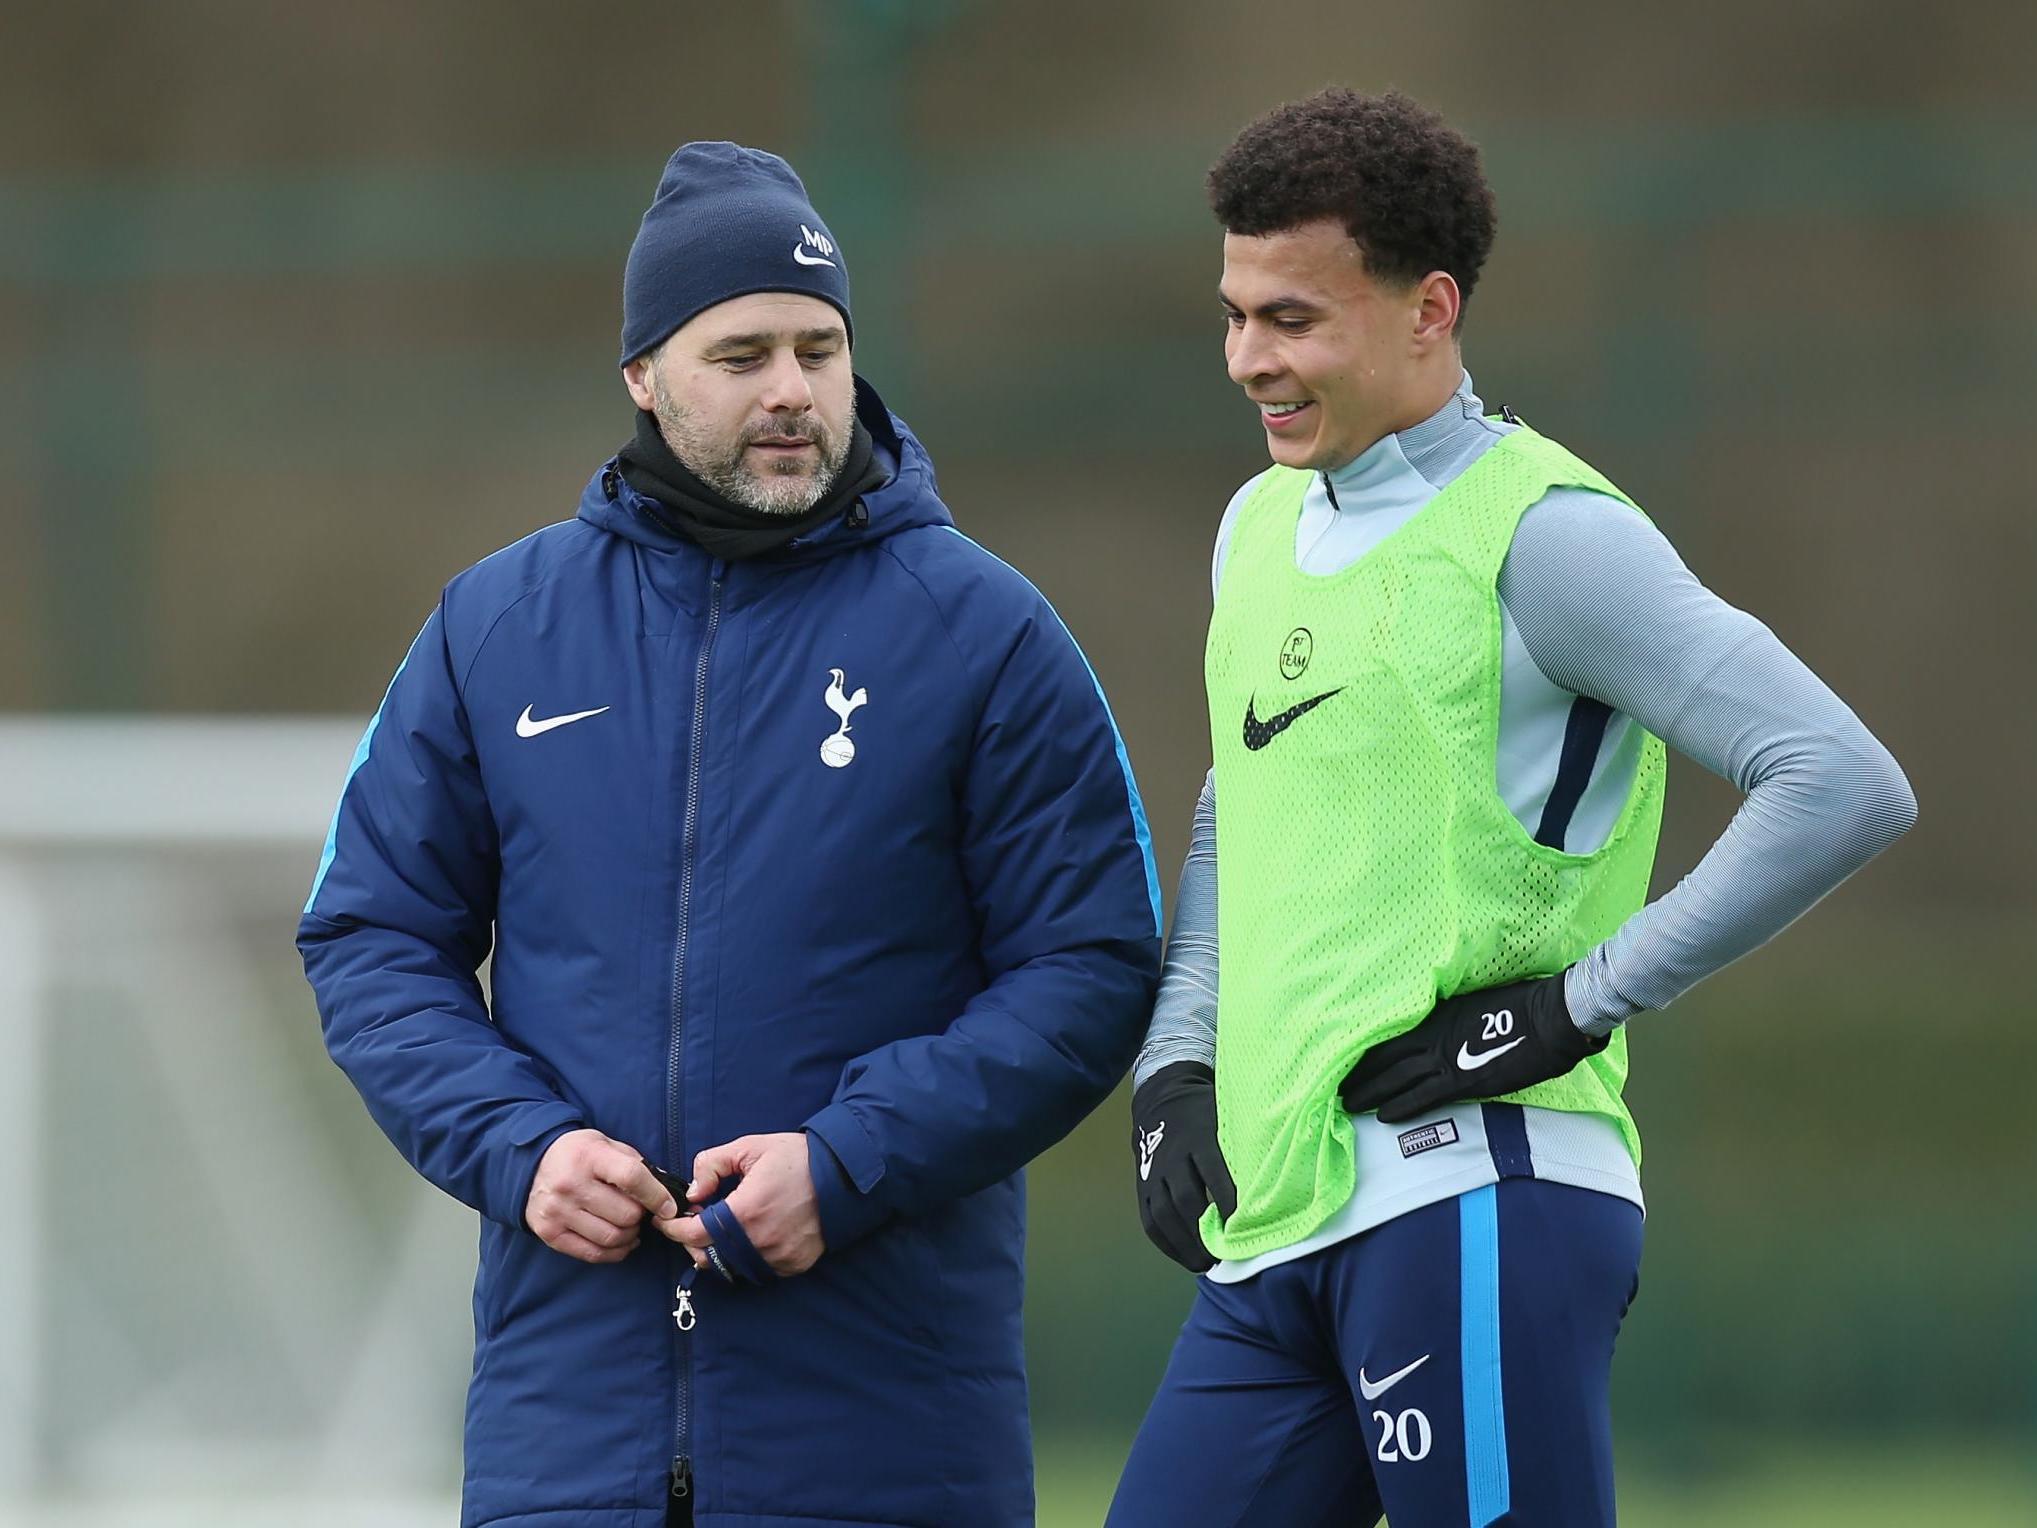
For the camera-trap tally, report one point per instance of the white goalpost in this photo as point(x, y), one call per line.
point(223, 1298)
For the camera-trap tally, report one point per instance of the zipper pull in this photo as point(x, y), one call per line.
point(684, 1313)
point(682, 1476)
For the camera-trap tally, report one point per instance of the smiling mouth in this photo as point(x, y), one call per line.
point(1280, 418)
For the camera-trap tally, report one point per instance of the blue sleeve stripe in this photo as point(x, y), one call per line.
point(1139, 826)
point(354, 768)
point(1140, 829)
point(1486, 1485)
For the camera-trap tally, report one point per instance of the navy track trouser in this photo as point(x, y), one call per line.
point(1449, 1367)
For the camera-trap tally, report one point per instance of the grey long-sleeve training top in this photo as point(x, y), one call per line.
point(1596, 606)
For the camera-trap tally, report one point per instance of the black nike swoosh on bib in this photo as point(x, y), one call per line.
point(1258, 734)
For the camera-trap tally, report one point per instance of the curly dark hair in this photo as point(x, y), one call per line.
point(1406, 185)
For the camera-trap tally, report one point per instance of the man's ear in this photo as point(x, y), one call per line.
point(1438, 305)
point(636, 376)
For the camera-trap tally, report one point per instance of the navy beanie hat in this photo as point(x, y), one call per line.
point(726, 221)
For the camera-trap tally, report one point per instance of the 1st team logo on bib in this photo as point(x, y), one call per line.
point(837, 751)
point(1295, 652)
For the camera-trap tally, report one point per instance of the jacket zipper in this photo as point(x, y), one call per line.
point(683, 1317)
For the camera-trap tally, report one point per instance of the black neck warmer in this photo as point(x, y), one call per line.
point(687, 507)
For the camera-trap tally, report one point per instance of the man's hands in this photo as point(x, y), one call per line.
point(774, 1203)
point(1174, 1113)
point(590, 1197)
point(1474, 1045)
point(591, 1194)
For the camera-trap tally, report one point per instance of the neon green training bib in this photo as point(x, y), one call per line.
point(1366, 864)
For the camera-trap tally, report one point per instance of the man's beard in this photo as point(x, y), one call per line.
point(789, 487)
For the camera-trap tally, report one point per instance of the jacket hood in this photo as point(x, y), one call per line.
point(908, 497)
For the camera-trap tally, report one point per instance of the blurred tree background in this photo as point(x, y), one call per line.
point(304, 308)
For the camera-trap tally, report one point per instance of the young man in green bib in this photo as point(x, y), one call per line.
point(1444, 660)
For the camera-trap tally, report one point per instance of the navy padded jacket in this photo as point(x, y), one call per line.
point(934, 957)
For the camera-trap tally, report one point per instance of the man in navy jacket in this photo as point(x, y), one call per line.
point(814, 874)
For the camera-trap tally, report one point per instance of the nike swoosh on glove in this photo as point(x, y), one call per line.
point(1474, 1045)
point(1174, 1117)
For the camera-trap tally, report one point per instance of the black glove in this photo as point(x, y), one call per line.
point(1474, 1045)
point(1180, 1168)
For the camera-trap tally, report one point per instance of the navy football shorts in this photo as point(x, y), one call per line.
point(1448, 1367)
